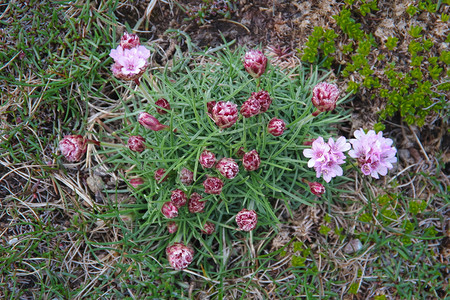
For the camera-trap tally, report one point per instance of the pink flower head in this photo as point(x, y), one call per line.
point(129, 63)
point(186, 176)
point(208, 228)
point(250, 108)
point(374, 153)
point(325, 96)
point(150, 122)
point(159, 175)
point(129, 41)
point(136, 143)
point(164, 106)
point(73, 147)
point(195, 205)
point(251, 160)
point(169, 210)
point(172, 227)
point(255, 63)
point(276, 127)
point(179, 256)
point(207, 159)
point(316, 188)
point(247, 219)
point(264, 100)
point(228, 167)
point(213, 185)
point(178, 198)
point(135, 182)
point(224, 114)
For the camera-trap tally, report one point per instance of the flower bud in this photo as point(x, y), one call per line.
point(255, 63)
point(246, 219)
point(150, 122)
point(207, 159)
point(209, 107)
point(73, 147)
point(164, 106)
point(178, 198)
point(264, 100)
point(250, 108)
point(208, 228)
point(172, 227)
point(224, 114)
point(316, 188)
point(251, 160)
point(228, 167)
point(169, 210)
point(129, 41)
point(195, 205)
point(136, 143)
point(179, 256)
point(276, 127)
point(186, 176)
point(159, 175)
point(325, 96)
point(135, 182)
point(213, 185)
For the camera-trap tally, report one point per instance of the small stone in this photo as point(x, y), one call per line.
point(353, 246)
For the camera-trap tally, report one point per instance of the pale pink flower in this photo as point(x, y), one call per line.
point(251, 160)
point(255, 63)
point(178, 198)
point(150, 122)
point(136, 143)
point(246, 219)
point(207, 159)
point(325, 96)
point(195, 205)
point(73, 147)
point(317, 152)
point(276, 127)
point(213, 185)
point(131, 64)
point(130, 59)
point(169, 210)
point(228, 167)
point(179, 256)
point(224, 114)
point(186, 176)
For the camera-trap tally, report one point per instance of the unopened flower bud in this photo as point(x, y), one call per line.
point(250, 108)
point(178, 198)
point(73, 147)
point(136, 143)
point(209, 107)
point(316, 188)
point(276, 127)
point(228, 167)
point(213, 185)
point(247, 219)
point(150, 122)
point(129, 41)
point(208, 228)
point(255, 63)
point(207, 159)
point(195, 205)
point(251, 160)
point(164, 106)
point(186, 176)
point(135, 182)
point(224, 114)
point(169, 210)
point(172, 227)
point(264, 100)
point(179, 256)
point(159, 175)
point(325, 96)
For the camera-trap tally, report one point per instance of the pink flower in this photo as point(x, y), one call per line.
point(316, 188)
point(178, 198)
point(164, 104)
point(129, 62)
point(250, 108)
point(186, 176)
point(129, 41)
point(208, 228)
point(374, 153)
point(228, 167)
point(276, 127)
point(247, 219)
point(195, 205)
point(136, 143)
point(317, 152)
point(135, 182)
point(207, 159)
point(325, 96)
point(255, 63)
point(224, 114)
point(179, 256)
point(169, 210)
point(264, 100)
point(251, 160)
point(159, 175)
point(172, 227)
point(213, 185)
point(150, 122)
point(73, 147)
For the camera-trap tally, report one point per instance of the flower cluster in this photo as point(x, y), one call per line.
point(130, 58)
point(374, 153)
point(259, 102)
